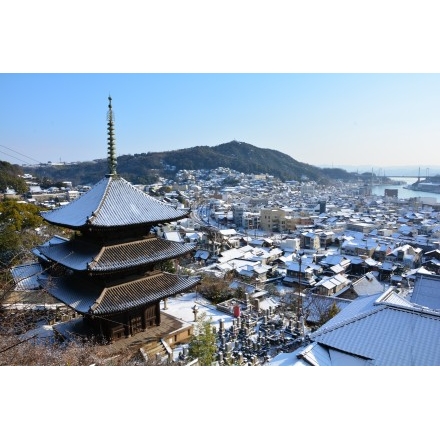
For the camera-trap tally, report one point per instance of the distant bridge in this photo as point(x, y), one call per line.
point(409, 176)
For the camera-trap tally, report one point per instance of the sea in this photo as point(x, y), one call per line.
point(402, 192)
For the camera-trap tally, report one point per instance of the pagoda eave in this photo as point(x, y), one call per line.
point(91, 299)
point(79, 255)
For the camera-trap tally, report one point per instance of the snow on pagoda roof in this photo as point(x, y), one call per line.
point(86, 297)
point(113, 202)
point(80, 255)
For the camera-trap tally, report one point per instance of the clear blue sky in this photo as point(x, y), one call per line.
point(228, 75)
point(320, 119)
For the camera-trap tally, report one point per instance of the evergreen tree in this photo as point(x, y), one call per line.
point(203, 342)
point(329, 314)
point(18, 223)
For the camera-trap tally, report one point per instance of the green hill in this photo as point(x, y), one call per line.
point(144, 168)
point(9, 177)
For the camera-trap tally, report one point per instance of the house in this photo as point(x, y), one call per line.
point(201, 255)
point(407, 255)
point(173, 236)
point(336, 260)
point(254, 272)
point(386, 269)
point(193, 237)
point(362, 265)
point(232, 254)
point(310, 240)
point(332, 286)
point(431, 260)
point(366, 285)
point(359, 247)
point(304, 273)
point(290, 245)
point(426, 292)
point(382, 250)
point(383, 329)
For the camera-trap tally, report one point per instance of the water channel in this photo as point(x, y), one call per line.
point(404, 193)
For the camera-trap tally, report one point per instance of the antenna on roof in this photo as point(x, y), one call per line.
point(111, 140)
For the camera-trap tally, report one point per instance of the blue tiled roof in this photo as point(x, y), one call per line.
point(384, 332)
point(113, 202)
point(82, 256)
point(25, 276)
point(86, 297)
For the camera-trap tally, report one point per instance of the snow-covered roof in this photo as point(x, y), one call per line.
point(85, 296)
point(317, 355)
point(379, 330)
point(388, 336)
point(113, 202)
point(80, 255)
point(367, 285)
point(330, 282)
point(200, 253)
point(227, 232)
point(25, 276)
point(234, 253)
point(427, 291)
point(388, 265)
point(173, 236)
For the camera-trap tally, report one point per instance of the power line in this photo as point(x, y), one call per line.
point(17, 152)
point(6, 154)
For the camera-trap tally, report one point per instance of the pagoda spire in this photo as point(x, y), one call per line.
point(111, 140)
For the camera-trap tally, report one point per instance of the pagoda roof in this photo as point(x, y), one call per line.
point(86, 297)
point(80, 255)
point(113, 202)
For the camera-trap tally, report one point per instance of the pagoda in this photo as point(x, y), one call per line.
point(111, 271)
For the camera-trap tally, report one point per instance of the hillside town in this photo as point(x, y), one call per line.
point(327, 275)
point(219, 267)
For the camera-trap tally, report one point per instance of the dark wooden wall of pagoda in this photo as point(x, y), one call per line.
point(126, 324)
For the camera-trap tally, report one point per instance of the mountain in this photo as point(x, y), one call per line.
point(144, 168)
point(242, 157)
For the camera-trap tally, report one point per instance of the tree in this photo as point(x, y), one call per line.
point(20, 215)
point(203, 342)
point(9, 178)
point(215, 289)
point(18, 223)
point(328, 314)
point(168, 266)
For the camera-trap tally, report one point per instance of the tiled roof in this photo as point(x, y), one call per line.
point(81, 256)
point(25, 276)
point(318, 355)
point(386, 334)
point(367, 285)
point(113, 202)
point(85, 297)
point(427, 291)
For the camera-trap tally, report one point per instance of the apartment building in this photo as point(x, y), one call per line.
point(281, 220)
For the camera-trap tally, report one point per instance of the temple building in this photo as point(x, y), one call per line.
point(112, 272)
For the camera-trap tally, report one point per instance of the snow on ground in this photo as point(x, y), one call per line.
point(181, 307)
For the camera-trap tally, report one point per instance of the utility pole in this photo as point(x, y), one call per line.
point(299, 312)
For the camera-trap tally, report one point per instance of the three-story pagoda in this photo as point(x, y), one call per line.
point(110, 272)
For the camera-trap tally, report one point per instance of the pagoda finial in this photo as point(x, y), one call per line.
point(111, 139)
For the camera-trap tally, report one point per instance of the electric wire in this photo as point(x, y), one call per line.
point(17, 152)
